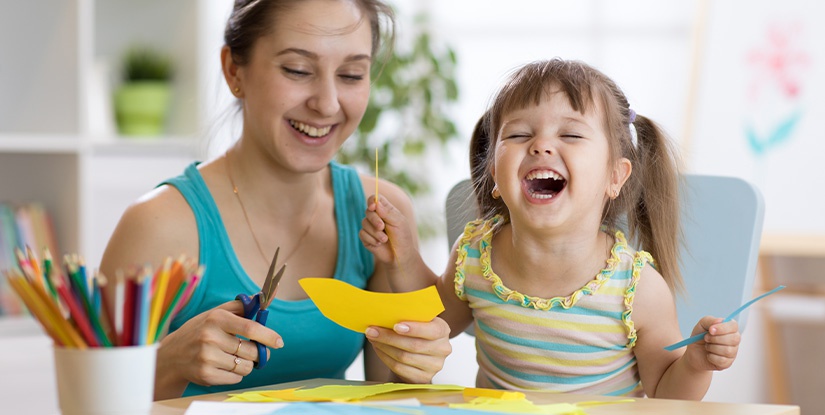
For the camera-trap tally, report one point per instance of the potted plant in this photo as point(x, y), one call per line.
point(142, 101)
point(408, 119)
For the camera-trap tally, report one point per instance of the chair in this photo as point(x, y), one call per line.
point(722, 224)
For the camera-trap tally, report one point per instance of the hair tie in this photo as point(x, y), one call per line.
point(631, 114)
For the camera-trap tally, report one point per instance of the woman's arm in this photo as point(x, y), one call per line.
point(203, 349)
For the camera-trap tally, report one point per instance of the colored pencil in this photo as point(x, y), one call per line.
point(144, 284)
point(21, 287)
point(86, 302)
point(63, 325)
point(107, 316)
point(47, 271)
point(157, 299)
point(76, 311)
point(163, 325)
point(130, 311)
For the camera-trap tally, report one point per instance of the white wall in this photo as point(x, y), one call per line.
point(646, 46)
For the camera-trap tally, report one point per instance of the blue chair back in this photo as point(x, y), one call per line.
point(722, 223)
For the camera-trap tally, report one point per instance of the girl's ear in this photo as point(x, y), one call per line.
point(621, 172)
point(231, 72)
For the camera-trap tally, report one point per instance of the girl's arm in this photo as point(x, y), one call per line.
point(412, 351)
point(389, 234)
point(685, 373)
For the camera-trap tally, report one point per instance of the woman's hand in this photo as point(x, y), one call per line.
point(718, 349)
point(414, 351)
point(206, 348)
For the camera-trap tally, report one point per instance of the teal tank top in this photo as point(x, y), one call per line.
point(314, 347)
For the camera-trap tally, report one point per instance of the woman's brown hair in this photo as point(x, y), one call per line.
point(252, 19)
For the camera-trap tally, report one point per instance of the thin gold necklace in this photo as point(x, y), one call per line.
point(249, 225)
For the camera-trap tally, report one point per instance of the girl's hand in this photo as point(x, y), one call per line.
point(385, 232)
point(718, 349)
point(414, 351)
point(205, 348)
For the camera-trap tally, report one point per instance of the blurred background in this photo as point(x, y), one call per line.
point(736, 83)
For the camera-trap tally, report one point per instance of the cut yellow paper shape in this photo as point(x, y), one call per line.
point(356, 309)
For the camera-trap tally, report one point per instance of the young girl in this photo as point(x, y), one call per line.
point(559, 298)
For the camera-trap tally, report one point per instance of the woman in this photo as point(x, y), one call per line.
point(300, 70)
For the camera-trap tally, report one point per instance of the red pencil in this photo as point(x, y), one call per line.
point(77, 313)
point(129, 312)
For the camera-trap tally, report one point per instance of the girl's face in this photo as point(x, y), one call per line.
point(551, 165)
point(306, 85)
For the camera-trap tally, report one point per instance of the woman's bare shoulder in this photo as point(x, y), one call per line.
point(157, 225)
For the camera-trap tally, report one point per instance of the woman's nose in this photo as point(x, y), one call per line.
point(324, 99)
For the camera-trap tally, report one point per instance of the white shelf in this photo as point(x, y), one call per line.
point(162, 146)
point(57, 145)
point(39, 143)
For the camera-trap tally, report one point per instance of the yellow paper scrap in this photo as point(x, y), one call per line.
point(356, 309)
point(520, 406)
point(358, 392)
point(493, 393)
point(330, 393)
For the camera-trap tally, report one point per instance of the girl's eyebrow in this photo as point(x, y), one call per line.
point(314, 56)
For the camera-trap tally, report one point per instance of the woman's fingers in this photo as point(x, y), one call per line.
point(205, 349)
point(415, 351)
point(236, 324)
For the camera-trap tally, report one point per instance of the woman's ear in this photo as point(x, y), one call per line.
point(231, 72)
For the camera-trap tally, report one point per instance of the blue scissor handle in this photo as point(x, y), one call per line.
point(252, 310)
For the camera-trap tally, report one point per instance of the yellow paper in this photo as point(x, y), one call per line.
point(494, 393)
point(339, 393)
point(520, 406)
point(356, 309)
point(358, 392)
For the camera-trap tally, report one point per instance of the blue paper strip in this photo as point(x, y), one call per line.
point(697, 337)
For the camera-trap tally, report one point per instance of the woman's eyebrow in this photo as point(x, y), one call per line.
point(314, 56)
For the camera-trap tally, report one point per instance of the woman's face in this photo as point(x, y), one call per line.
point(306, 84)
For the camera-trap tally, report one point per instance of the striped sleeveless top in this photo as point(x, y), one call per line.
point(581, 343)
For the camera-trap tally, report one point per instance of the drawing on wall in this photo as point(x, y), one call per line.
point(776, 64)
point(757, 106)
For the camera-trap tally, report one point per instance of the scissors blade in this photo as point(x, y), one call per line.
point(271, 282)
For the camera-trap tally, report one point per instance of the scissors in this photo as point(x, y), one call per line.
point(255, 307)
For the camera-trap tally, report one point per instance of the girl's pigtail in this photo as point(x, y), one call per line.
point(654, 219)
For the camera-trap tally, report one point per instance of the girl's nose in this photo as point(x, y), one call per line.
point(324, 99)
point(541, 145)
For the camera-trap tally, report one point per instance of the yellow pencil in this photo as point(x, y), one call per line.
point(157, 299)
point(75, 340)
point(21, 285)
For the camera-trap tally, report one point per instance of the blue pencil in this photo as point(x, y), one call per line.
point(136, 337)
point(145, 302)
